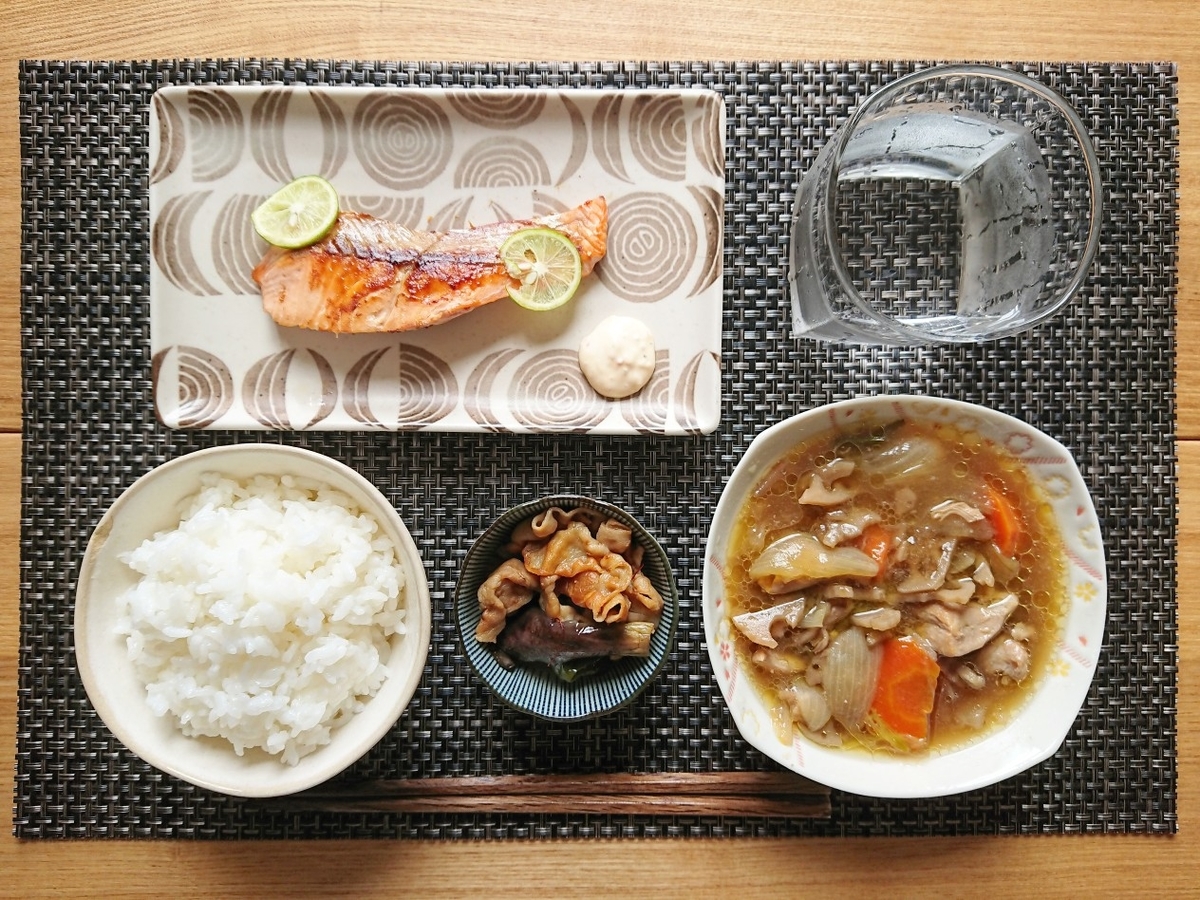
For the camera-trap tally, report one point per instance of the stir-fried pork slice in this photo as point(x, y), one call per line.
point(822, 490)
point(957, 518)
point(506, 590)
point(614, 535)
point(777, 661)
point(568, 552)
point(548, 596)
point(957, 592)
point(846, 525)
point(883, 618)
point(958, 630)
point(1023, 631)
point(841, 591)
point(603, 592)
point(964, 511)
point(921, 577)
point(956, 527)
point(643, 593)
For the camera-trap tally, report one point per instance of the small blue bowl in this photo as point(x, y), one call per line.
point(534, 688)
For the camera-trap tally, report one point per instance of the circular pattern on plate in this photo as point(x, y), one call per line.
point(217, 133)
point(551, 394)
point(427, 387)
point(535, 689)
point(171, 138)
point(658, 135)
point(651, 246)
point(403, 142)
point(265, 389)
point(171, 245)
point(203, 386)
point(500, 162)
point(236, 247)
point(498, 109)
point(269, 147)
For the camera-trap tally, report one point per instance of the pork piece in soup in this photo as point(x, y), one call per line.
point(898, 588)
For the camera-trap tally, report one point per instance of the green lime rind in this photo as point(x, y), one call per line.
point(298, 214)
point(545, 266)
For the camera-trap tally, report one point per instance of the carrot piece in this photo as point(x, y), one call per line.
point(1005, 522)
point(904, 693)
point(876, 542)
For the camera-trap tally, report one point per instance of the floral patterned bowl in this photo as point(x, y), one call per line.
point(1035, 731)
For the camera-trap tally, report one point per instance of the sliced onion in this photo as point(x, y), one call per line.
point(983, 574)
point(905, 458)
point(850, 672)
point(798, 560)
point(815, 616)
point(1003, 567)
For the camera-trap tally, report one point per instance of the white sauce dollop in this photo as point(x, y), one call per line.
point(617, 358)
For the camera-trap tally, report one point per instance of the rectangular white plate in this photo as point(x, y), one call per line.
point(437, 159)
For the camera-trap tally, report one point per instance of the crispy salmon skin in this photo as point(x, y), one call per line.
point(371, 275)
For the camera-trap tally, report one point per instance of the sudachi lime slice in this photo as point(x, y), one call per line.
point(546, 266)
point(298, 214)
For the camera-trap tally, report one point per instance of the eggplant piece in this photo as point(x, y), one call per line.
point(534, 637)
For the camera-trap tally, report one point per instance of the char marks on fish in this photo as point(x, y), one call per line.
point(372, 275)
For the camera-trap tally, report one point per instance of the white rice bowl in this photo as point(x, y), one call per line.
point(264, 616)
point(253, 633)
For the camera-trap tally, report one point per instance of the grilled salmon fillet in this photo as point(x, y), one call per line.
point(371, 275)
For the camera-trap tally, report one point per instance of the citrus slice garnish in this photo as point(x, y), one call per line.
point(545, 265)
point(298, 214)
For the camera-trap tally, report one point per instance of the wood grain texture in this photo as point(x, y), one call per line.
point(614, 794)
point(620, 29)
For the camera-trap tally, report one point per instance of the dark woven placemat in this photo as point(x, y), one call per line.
point(1099, 377)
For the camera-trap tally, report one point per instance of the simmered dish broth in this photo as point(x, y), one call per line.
point(898, 588)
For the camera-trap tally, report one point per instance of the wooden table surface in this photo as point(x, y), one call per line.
point(1113, 30)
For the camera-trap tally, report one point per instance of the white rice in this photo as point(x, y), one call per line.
point(264, 617)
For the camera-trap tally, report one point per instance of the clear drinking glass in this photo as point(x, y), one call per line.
point(958, 203)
